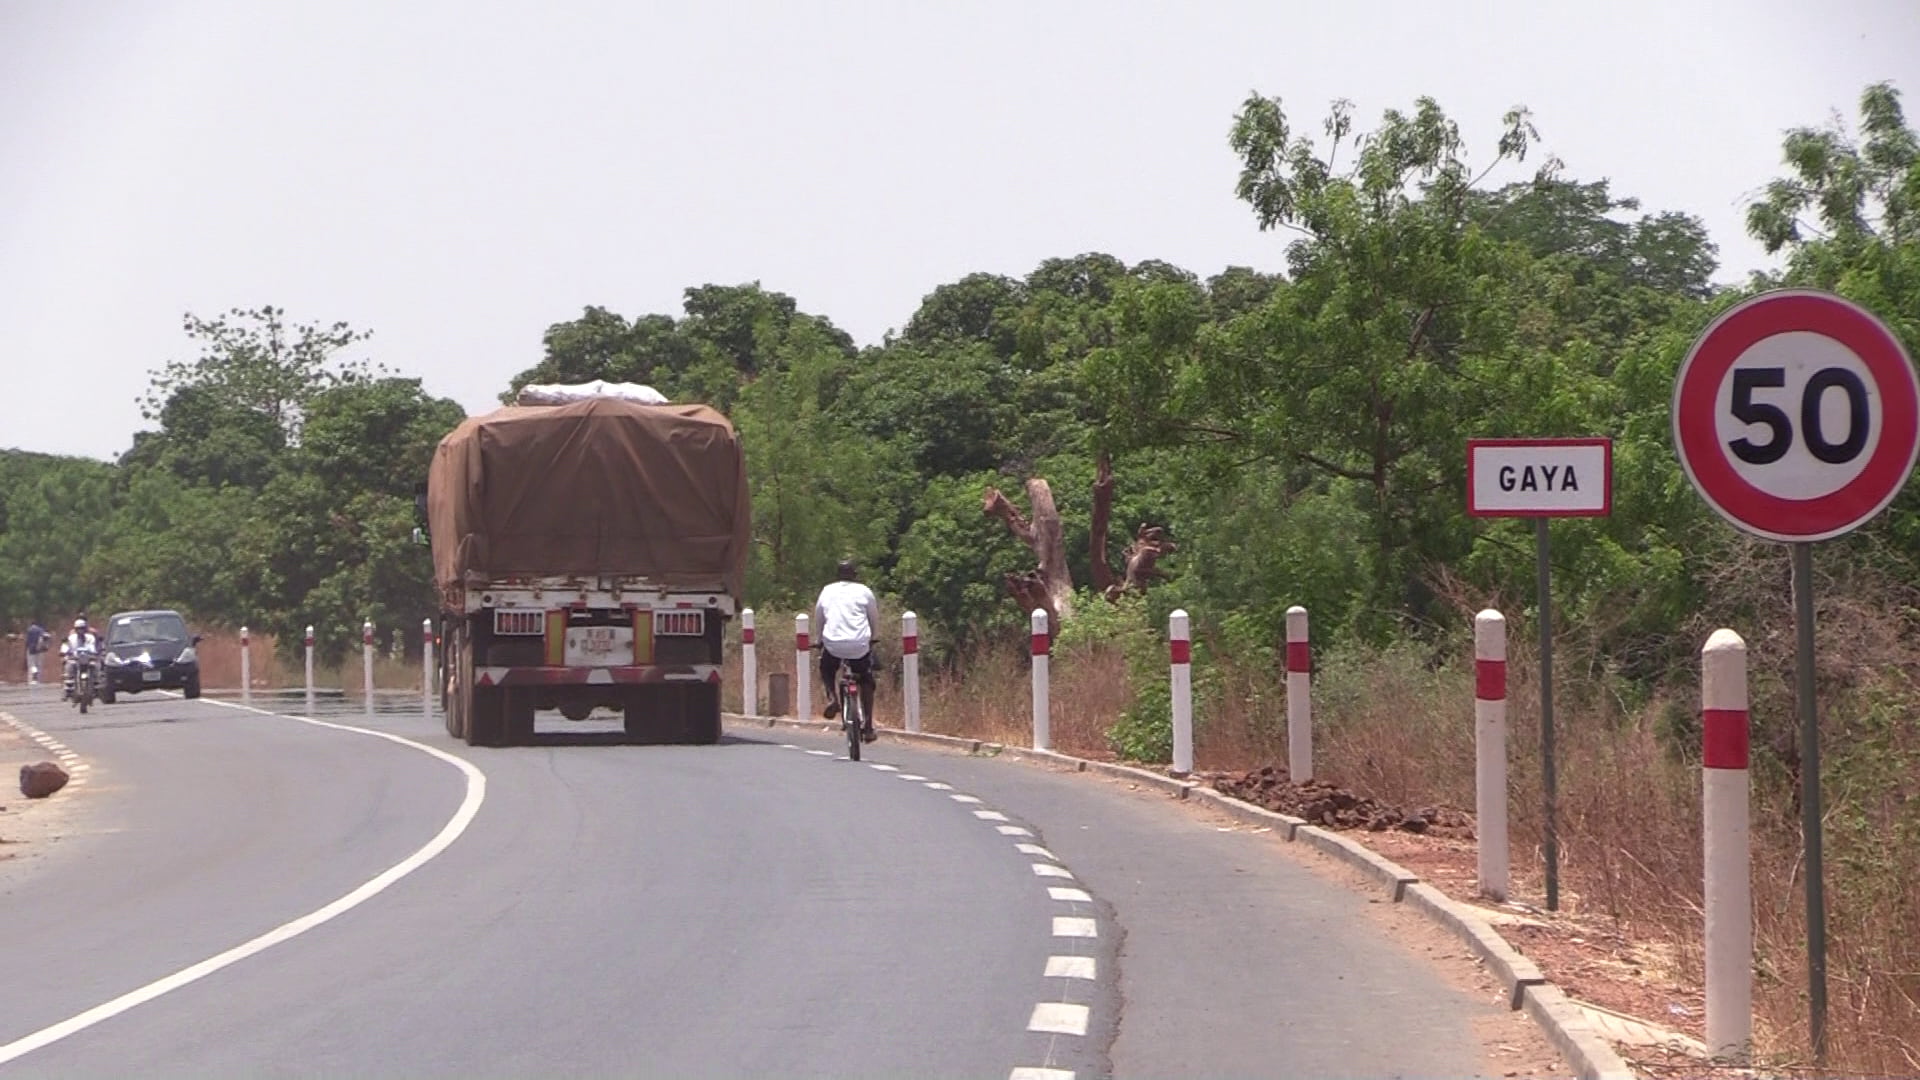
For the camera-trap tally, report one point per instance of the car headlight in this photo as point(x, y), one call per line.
point(114, 659)
point(187, 656)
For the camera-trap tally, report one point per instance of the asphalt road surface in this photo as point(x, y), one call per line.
point(584, 908)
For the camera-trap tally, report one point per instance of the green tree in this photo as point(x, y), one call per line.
point(255, 360)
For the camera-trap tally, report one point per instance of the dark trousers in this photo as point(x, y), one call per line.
point(862, 670)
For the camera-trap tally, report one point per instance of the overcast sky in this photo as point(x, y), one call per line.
point(457, 177)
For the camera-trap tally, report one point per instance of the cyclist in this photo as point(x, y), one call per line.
point(846, 614)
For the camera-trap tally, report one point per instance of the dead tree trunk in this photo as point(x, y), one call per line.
point(1050, 586)
point(1097, 526)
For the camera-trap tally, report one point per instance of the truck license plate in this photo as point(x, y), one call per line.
point(599, 639)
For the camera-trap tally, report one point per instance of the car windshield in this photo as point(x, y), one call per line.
point(135, 629)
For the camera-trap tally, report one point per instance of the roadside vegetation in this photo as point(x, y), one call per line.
point(1258, 438)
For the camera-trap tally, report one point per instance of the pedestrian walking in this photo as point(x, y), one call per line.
point(36, 645)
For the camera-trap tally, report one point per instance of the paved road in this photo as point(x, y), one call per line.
point(678, 911)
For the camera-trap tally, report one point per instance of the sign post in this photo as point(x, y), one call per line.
point(1542, 479)
point(1795, 416)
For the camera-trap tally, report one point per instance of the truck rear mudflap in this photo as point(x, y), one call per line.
point(630, 675)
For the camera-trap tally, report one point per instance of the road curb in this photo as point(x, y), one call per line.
point(1592, 1057)
point(1391, 874)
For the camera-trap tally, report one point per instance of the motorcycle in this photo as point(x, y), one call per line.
point(86, 678)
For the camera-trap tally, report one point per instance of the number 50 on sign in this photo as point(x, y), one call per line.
point(1795, 415)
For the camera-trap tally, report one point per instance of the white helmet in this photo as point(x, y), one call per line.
point(79, 624)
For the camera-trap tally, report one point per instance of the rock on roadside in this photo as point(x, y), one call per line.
point(42, 779)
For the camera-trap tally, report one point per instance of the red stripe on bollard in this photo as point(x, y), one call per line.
point(1724, 738)
point(1490, 680)
point(746, 636)
point(1299, 656)
point(800, 642)
point(1040, 644)
point(1182, 651)
point(909, 645)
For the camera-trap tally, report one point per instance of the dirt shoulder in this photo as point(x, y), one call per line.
point(32, 828)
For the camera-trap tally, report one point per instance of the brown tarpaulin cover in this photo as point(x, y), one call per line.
point(603, 486)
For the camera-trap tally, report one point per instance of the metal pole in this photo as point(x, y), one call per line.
point(1550, 837)
point(1810, 798)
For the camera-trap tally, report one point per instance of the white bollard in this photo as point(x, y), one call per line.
point(366, 656)
point(749, 667)
point(246, 667)
point(309, 670)
point(1729, 885)
point(802, 670)
point(1042, 718)
point(1490, 750)
point(1299, 698)
point(1180, 646)
point(910, 670)
point(426, 669)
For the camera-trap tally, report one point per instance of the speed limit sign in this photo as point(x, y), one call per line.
point(1797, 415)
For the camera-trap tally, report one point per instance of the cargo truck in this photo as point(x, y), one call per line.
point(588, 555)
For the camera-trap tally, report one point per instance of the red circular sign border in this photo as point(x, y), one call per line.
point(1698, 443)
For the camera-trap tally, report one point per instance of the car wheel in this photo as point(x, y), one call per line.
point(106, 693)
point(193, 687)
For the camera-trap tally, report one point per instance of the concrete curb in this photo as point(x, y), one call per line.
point(1391, 874)
point(1592, 1057)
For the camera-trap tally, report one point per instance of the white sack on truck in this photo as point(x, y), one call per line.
point(567, 393)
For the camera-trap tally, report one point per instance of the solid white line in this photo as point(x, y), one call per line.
point(1074, 926)
point(1074, 896)
point(1036, 849)
point(1047, 869)
point(457, 824)
point(963, 798)
point(1059, 1018)
point(1070, 967)
point(989, 815)
point(1029, 1072)
point(1012, 830)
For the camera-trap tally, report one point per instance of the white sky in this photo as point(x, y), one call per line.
point(456, 177)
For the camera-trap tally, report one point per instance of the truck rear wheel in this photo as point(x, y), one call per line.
point(700, 709)
point(486, 716)
point(518, 707)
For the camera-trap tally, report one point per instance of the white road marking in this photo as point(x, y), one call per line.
point(1013, 830)
point(457, 824)
point(1047, 869)
point(821, 753)
point(1073, 896)
point(910, 776)
point(1070, 967)
point(989, 815)
point(938, 786)
point(1029, 1072)
point(788, 746)
point(80, 766)
point(1074, 926)
point(1036, 849)
point(1059, 1018)
point(963, 798)
point(884, 768)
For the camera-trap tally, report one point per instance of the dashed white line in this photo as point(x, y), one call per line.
point(1059, 1018)
point(1013, 830)
point(821, 753)
point(788, 746)
point(909, 776)
point(1072, 896)
point(963, 798)
point(1070, 967)
point(1036, 849)
point(1075, 926)
point(989, 815)
point(1028, 1072)
point(938, 786)
point(1047, 869)
point(883, 768)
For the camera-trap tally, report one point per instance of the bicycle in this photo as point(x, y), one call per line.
point(846, 692)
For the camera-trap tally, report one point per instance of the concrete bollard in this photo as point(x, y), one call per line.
point(309, 670)
point(910, 670)
point(802, 671)
point(1299, 698)
point(1042, 718)
point(749, 667)
point(1490, 750)
point(426, 669)
point(246, 667)
point(366, 662)
point(1729, 884)
point(1180, 646)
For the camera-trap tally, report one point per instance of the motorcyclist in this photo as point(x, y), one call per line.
point(81, 644)
point(847, 614)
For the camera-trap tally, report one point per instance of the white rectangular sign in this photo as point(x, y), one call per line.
point(1539, 477)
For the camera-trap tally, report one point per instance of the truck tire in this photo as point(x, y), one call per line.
point(700, 708)
point(457, 666)
point(648, 716)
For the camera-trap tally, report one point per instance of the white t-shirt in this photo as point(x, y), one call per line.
point(846, 614)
